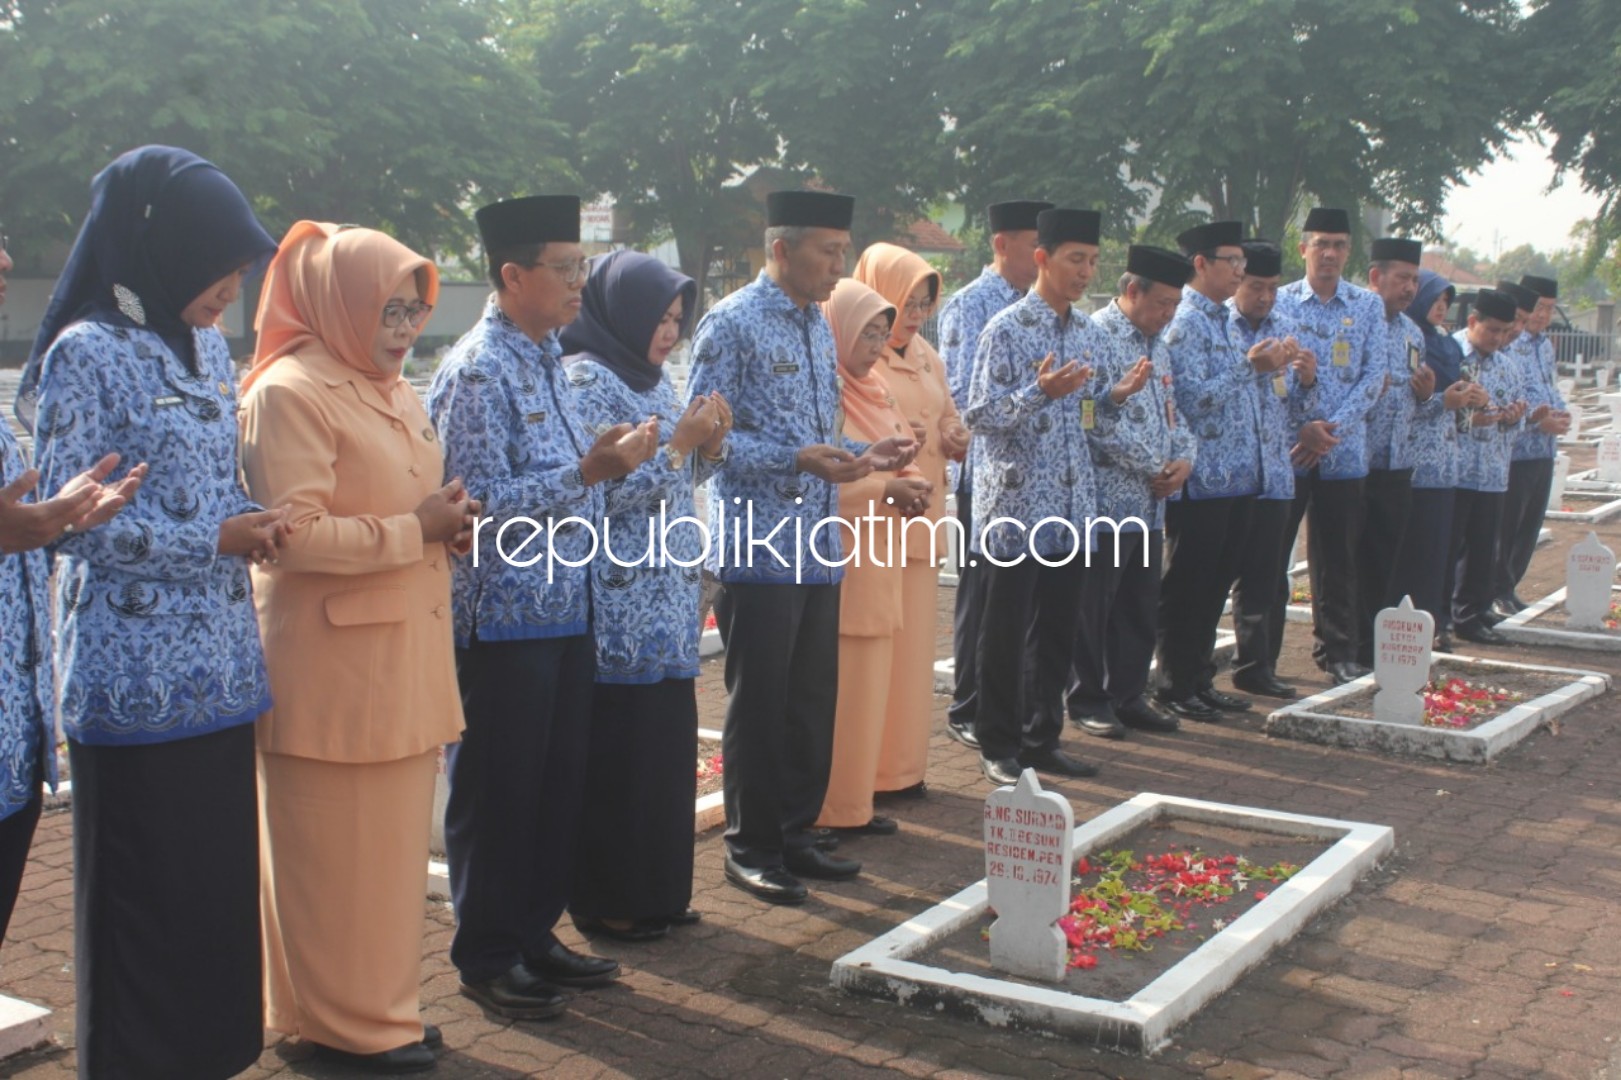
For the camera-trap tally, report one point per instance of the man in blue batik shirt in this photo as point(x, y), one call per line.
point(1029, 406)
point(962, 320)
point(525, 657)
point(1142, 453)
point(769, 352)
point(1344, 327)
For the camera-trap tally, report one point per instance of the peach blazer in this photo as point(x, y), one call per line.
point(356, 616)
point(918, 382)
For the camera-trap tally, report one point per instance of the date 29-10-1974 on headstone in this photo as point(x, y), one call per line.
point(1029, 849)
point(1589, 573)
point(1402, 638)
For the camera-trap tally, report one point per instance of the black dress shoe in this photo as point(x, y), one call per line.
point(1058, 763)
point(1190, 708)
point(963, 733)
point(1516, 603)
point(1000, 770)
point(432, 1037)
point(685, 917)
point(1102, 723)
point(825, 839)
point(1442, 643)
point(1263, 683)
point(520, 994)
point(1142, 715)
point(813, 863)
point(1502, 609)
point(1479, 633)
point(1344, 671)
point(772, 884)
point(565, 967)
point(918, 790)
point(638, 930)
point(878, 826)
point(410, 1058)
point(1225, 702)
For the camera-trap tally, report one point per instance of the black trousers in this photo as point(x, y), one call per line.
point(1026, 645)
point(1529, 485)
point(16, 837)
point(1114, 638)
point(1387, 498)
point(969, 613)
point(1477, 520)
point(517, 781)
point(1424, 569)
point(1333, 512)
point(1261, 573)
point(1204, 539)
point(782, 680)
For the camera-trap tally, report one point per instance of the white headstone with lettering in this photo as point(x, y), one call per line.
point(1561, 471)
point(1029, 854)
point(1575, 431)
point(1609, 459)
point(1589, 573)
point(1567, 388)
point(1402, 638)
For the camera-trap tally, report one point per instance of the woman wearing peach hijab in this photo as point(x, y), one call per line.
point(917, 379)
point(871, 615)
point(355, 618)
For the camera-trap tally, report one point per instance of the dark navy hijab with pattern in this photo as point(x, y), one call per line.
point(163, 226)
point(623, 302)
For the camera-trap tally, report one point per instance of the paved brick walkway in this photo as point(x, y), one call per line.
point(1489, 946)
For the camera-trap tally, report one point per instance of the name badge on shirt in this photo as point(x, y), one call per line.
point(1089, 414)
point(1279, 387)
point(167, 402)
point(1342, 353)
point(1412, 358)
point(784, 369)
point(535, 418)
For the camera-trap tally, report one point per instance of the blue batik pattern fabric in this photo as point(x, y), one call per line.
point(156, 634)
point(1218, 393)
point(962, 319)
point(1131, 443)
point(1347, 335)
point(26, 690)
point(1029, 455)
point(1533, 354)
point(644, 616)
point(503, 409)
point(776, 364)
point(1433, 443)
point(1285, 404)
point(1390, 423)
point(1485, 452)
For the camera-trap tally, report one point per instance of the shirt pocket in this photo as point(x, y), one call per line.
point(365, 607)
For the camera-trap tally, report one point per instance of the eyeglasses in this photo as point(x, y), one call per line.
point(398, 311)
point(874, 337)
point(917, 307)
point(570, 272)
point(1237, 262)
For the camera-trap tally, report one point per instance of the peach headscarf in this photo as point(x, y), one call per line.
point(869, 407)
point(325, 292)
point(894, 272)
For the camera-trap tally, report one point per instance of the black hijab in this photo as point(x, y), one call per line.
point(623, 302)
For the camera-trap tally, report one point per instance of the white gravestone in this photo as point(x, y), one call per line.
point(1575, 424)
point(1609, 459)
point(1029, 854)
point(1567, 388)
point(1589, 572)
point(1601, 377)
point(1561, 471)
point(1402, 638)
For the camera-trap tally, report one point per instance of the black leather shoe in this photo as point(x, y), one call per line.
point(1000, 770)
point(822, 838)
point(565, 967)
point(772, 884)
point(1263, 683)
point(520, 994)
point(1516, 603)
point(878, 826)
point(813, 863)
point(1479, 633)
point(432, 1037)
point(1058, 763)
point(1442, 643)
point(964, 734)
point(1344, 671)
point(410, 1058)
point(1190, 708)
point(1503, 609)
point(1142, 715)
point(1103, 724)
point(919, 790)
point(1225, 702)
point(685, 917)
point(636, 932)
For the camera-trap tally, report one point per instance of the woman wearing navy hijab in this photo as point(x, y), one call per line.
point(159, 668)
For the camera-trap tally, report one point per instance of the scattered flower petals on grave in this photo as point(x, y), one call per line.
point(711, 767)
point(1459, 703)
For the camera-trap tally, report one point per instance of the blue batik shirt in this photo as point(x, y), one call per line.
point(156, 639)
point(509, 424)
point(1029, 455)
point(644, 616)
point(1390, 422)
point(1285, 404)
point(1218, 393)
point(27, 696)
point(1132, 443)
point(1347, 334)
point(962, 320)
point(1534, 356)
point(776, 363)
point(1485, 452)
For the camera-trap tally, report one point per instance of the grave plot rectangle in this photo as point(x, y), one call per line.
point(1524, 628)
point(1144, 1022)
point(1314, 719)
point(1588, 481)
point(1587, 507)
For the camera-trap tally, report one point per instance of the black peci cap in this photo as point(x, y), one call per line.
point(1524, 299)
point(1327, 219)
point(1209, 236)
point(1158, 264)
point(1394, 249)
point(1015, 216)
point(1547, 288)
point(1062, 225)
point(809, 210)
point(1262, 258)
point(1491, 304)
point(533, 219)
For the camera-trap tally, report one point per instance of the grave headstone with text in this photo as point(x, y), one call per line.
point(1402, 638)
point(1575, 431)
point(1567, 388)
point(1609, 459)
point(1589, 573)
point(1029, 852)
point(1561, 472)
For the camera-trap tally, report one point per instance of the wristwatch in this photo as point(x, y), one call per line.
point(676, 458)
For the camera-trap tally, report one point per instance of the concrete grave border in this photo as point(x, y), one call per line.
point(1518, 628)
point(1603, 512)
point(1144, 1022)
point(1313, 720)
point(1587, 482)
point(23, 1026)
